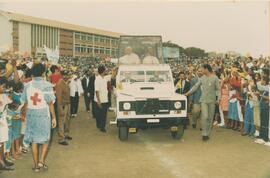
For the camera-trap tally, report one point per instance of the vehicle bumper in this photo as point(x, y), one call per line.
point(142, 123)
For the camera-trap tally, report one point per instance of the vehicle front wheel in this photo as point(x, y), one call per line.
point(179, 133)
point(123, 133)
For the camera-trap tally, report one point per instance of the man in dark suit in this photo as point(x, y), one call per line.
point(87, 90)
point(92, 79)
point(181, 84)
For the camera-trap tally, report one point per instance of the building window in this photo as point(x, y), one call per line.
point(90, 38)
point(96, 39)
point(89, 49)
point(77, 48)
point(83, 37)
point(83, 48)
point(107, 40)
point(108, 51)
point(96, 50)
point(102, 50)
point(102, 40)
point(77, 36)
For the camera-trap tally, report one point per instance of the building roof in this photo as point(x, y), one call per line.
point(56, 24)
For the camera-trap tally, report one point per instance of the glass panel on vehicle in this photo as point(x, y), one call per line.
point(132, 76)
point(158, 76)
point(140, 50)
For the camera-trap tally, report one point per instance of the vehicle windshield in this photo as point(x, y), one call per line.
point(140, 50)
point(142, 76)
point(132, 76)
point(158, 76)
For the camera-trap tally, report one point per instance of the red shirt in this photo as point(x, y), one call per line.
point(55, 78)
point(236, 84)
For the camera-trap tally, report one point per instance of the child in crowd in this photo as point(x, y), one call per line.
point(17, 122)
point(224, 101)
point(263, 87)
point(4, 100)
point(11, 114)
point(249, 126)
point(235, 112)
point(256, 106)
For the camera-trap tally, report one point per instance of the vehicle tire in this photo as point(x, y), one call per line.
point(123, 133)
point(179, 133)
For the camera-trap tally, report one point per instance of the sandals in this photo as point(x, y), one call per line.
point(36, 169)
point(24, 151)
point(6, 168)
point(40, 167)
point(43, 166)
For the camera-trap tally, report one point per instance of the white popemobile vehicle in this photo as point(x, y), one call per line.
point(145, 92)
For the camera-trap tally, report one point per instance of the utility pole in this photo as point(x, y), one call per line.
point(268, 21)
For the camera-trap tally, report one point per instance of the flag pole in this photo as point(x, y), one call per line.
point(268, 28)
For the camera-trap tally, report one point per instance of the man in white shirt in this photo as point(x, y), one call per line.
point(150, 58)
point(129, 57)
point(101, 98)
point(76, 91)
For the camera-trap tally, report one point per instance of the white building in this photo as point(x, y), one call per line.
point(29, 34)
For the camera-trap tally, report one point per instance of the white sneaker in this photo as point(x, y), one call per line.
point(256, 133)
point(221, 125)
point(259, 141)
point(267, 144)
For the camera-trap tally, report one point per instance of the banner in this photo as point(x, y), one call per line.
point(52, 55)
point(170, 52)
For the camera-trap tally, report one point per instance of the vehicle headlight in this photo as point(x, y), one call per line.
point(126, 106)
point(177, 105)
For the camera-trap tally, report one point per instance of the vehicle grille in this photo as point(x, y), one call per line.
point(152, 106)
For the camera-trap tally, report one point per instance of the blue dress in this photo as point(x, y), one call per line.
point(10, 115)
point(233, 111)
point(37, 94)
point(16, 123)
point(249, 125)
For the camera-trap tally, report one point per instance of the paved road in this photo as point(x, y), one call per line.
point(149, 154)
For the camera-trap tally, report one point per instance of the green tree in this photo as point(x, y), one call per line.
point(195, 52)
point(174, 45)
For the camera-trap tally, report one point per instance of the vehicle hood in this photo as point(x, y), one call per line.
point(138, 91)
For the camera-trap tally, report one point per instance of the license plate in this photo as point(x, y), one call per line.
point(152, 120)
point(132, 130)
point(174, 128)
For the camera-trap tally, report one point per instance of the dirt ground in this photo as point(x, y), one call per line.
point(149, 153)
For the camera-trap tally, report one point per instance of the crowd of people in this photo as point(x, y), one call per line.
point(36, 97)
point(242, 94)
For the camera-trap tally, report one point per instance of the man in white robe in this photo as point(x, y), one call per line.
point(129, 57)
point(150, 58)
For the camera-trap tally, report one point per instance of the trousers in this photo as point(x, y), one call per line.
point(74, 103)
point(101, 115)
point(207, 116)
point(196, 112)
point(64, 123)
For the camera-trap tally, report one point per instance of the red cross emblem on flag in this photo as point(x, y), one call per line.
point(35, 99)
